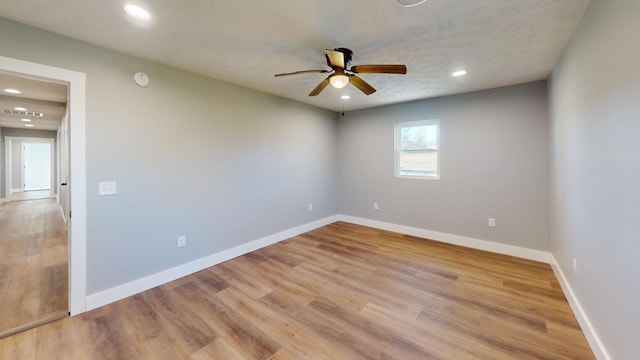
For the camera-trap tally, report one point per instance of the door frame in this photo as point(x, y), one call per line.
point(8, 142)
point(77, 234)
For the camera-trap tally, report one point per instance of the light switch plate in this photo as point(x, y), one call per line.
point(107, 188)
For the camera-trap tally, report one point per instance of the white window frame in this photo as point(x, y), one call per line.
point(397, 148)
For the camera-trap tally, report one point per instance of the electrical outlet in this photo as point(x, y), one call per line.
point(492, 222)
point(575, 266)
point(310, 207)
point(375, 206)
point(182, 241)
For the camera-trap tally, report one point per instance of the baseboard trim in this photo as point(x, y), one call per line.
point(589, 331)
point(530, 254)
point(16, 190)
point(114, 294)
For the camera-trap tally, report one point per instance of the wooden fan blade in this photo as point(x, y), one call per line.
point(302, 72)
point(336, 58)
point(379, 69)
point(320, 87)
point(361, 84)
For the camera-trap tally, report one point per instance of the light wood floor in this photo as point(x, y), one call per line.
point(33, 264)
point(30, 195)
point(339, 292)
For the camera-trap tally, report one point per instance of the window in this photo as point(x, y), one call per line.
point(417, 145)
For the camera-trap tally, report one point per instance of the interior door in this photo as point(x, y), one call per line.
point(63, 142)
point(37, 166)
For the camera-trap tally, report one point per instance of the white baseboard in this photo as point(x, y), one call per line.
point(108, 296)
point(592, 337)
point(531, 254)
point(587, 328)
point(114, 294)
point(16, 190)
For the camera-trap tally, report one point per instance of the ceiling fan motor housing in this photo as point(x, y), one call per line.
point(348, 54)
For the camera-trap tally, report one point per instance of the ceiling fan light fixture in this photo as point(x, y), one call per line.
point(339, 81)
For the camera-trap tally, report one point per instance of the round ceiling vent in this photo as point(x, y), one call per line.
point(410, 3)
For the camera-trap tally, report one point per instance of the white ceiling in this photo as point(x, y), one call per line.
point(36, 96)
point(499, 42)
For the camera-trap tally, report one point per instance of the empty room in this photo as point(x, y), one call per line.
point(362, 179)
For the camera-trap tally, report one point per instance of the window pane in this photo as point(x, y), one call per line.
point(419, 163)
point(418, 149)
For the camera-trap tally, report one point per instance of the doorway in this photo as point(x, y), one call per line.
point(30, 170)
point(75, 82)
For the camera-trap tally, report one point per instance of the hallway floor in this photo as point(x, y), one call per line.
point(33, 264)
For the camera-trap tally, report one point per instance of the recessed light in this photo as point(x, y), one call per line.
point(28, 125)
point(410, 3)
point(345, 97)
point(25, 120)
point(459, 73)
point(137, 12)
point(20, 108)
point(12, 91)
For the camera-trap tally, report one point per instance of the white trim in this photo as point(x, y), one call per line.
point(590, 333)
point(531, 254)
point(137, 286)
point(396, 148)
point(78, 228)
point(8, 161)
point(64, 218)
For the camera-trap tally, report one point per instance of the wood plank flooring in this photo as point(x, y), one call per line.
point(33, 264)
point(30, 195)
point(339, 292)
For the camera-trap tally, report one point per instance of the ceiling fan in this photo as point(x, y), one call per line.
point(341, 74)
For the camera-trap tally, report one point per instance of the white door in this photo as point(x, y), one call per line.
point(37, 166)
point(63, 143)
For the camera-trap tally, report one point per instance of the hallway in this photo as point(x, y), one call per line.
point(33, 264)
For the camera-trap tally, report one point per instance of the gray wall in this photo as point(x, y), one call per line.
point(16, 153)
point(493, 164)
point(16, 165)
point(219, 163)
point(595, 170)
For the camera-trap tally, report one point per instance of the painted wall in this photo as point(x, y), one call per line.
point(595, 170)
point(493, 153)
point(192, 156)
point(16, 169)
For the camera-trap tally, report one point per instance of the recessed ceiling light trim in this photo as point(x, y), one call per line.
point(410, 3)
point(137, 12)
point(459, 73)
point(12, 91)
point(345, 97)
point(25, 120)
point(28, 125)
point(18, 108)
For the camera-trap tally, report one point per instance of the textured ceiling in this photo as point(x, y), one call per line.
point(499, 42)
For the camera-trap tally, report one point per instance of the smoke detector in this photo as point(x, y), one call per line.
point(410, 3)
